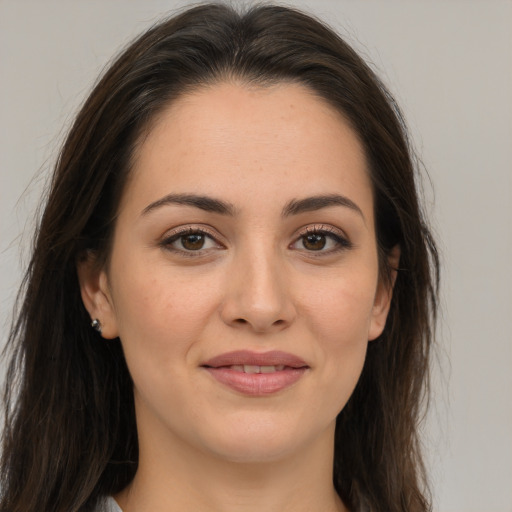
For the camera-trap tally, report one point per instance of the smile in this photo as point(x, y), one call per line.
point(250, 368)
point(256, 374)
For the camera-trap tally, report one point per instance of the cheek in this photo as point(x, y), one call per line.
point(341, 310)
point(339, 317)
point(160, 313)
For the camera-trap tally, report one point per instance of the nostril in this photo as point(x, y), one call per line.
point(240, 321)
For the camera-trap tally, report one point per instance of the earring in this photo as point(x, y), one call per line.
point(96, 325)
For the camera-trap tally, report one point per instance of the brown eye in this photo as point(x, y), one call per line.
point(193, 242)
point(324, 241)
point(314, 241)
point(190, 241)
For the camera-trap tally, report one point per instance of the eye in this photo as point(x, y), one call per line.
point(322, 240)
point(190, 240)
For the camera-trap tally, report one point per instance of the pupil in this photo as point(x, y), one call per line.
point(193, 242)
point(314, 242)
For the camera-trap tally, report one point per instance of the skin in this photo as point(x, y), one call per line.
point(257, 284)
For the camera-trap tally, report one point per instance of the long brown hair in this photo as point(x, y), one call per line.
point(70, 434)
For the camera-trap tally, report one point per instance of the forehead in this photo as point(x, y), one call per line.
point(234, 139)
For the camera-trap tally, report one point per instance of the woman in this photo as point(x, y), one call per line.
point(232, 290)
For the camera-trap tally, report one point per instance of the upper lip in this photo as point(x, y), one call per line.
point(247, 357)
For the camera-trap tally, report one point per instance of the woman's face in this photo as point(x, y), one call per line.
point(243, 280)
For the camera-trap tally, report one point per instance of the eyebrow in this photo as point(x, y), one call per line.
point(309, 204)
point(208, 204)
point(293, 207)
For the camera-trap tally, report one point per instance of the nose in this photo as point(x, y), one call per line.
point(258, 295)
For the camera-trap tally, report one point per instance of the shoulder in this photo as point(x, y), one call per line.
point(108, 505)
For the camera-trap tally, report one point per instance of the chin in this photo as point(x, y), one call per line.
point(257, 441)
point(257, 452)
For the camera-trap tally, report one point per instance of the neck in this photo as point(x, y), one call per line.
point(177, 477)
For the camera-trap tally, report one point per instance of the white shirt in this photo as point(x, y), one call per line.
point(108, 505)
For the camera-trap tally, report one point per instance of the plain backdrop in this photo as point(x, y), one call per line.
point(449, 63)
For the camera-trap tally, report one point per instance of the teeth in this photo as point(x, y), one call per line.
point(251, 368)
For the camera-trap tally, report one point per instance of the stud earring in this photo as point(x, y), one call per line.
point(96, 325)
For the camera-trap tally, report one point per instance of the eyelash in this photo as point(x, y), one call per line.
point(167, 242)
point(342, 243)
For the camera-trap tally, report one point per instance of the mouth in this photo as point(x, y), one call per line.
point(251, 368)
point(256, 374)
point(249, 361)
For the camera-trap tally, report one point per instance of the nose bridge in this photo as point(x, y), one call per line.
point(258, 294)
point(263, 277)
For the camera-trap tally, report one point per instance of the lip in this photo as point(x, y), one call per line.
point(256, 384)
point(272, 358)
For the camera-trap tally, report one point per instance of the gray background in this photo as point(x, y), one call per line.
point(449, 64)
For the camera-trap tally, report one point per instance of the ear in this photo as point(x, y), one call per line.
point(96, 295)
point(383, 296)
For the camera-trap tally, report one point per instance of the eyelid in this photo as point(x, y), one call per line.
point(190, 228)
point(321, 228)
point(342, 240)
point(338, 234)
point(175, 233)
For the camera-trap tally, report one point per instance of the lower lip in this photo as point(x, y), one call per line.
point(257, 384)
